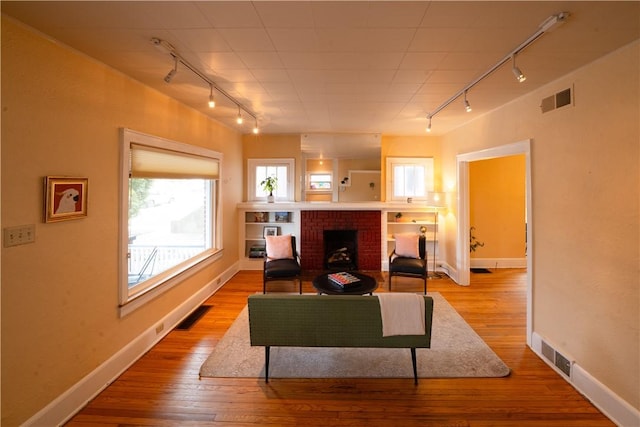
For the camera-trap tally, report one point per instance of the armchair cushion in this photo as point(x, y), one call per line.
point(281, 268)
point(407, 245)
point(408, 266)
point(279, 247)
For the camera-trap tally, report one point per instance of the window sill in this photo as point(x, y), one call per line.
point(169, 282)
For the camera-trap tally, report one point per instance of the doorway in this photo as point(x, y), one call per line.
point(463, 259)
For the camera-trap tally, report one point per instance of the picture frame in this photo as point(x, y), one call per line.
point(261, 216)
point(65, 198)
point(269, 231)
point(282, 216)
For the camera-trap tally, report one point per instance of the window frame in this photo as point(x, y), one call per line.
point(310, 181)
point(427, 163)
point(252, 164)
point(150, 288)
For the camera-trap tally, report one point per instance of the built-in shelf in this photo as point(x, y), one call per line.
point(255, 224)
point(255, 216)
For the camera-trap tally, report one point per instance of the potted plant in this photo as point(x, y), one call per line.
point(473, 242)
point(269, 184)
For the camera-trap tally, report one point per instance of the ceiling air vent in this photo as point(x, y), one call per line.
point(558, 100)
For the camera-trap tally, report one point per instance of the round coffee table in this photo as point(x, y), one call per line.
point(366, 285)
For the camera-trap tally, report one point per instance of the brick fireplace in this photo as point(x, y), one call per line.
point(314, 223)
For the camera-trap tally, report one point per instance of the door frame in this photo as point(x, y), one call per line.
point(463, 259)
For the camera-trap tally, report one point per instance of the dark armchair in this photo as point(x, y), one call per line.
point(281, 261)
point(405, 260)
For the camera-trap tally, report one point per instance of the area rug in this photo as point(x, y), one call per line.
point(456, 351)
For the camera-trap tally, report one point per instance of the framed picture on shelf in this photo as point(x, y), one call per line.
point(261, 216)
point(65, 198)
point(270, 231)
point(282, 216)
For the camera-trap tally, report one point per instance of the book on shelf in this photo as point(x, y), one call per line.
point(257, 251)
point(343, 279)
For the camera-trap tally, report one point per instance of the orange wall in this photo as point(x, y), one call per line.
point(497, 206)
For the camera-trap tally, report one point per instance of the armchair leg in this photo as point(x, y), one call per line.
point(415, 366)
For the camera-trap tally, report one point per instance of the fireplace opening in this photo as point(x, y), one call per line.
point(340, 249)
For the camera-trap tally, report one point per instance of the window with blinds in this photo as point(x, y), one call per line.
point(169, 218)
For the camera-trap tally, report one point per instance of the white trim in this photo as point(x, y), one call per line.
point(498, 262)
point(609, 403)
point(612, 405)
point(61, 409)
point(169, 283)
point(290, 164)
point(463, 260)
point(426, 162)
point(165, 279)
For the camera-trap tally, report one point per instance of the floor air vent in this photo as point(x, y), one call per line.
point(191, 319)
point(557, 359)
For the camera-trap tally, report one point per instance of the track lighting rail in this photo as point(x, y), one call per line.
point(546, 26)
point(166, 47)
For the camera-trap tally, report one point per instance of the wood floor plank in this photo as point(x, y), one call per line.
point(163, 387)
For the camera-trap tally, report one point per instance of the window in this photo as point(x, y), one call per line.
point(320, 181)
point(169, 217)
point(409, 177)
point(259, 169)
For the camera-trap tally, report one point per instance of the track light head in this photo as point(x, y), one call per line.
point(519, 74)
point(212, 102)
point(467, 106)
point(255, 128)
point(239, 119)
point(429, 124)
point(170, 75)
point(173, 72)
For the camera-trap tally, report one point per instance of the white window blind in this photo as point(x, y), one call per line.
point(153, 162)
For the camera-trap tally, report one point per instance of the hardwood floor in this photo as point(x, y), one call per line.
point(163, 388)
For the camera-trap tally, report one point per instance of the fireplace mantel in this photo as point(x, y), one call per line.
point(333, 206)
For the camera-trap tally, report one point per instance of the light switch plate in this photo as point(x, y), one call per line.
point(19, 235)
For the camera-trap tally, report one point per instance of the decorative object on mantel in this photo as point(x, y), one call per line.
point(270, 184)
point(65, 198)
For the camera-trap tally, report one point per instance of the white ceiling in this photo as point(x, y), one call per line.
point(338, 67)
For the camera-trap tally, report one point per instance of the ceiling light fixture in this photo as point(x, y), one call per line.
point(517, 72)
point(166, 47)
point(173, 71)
point(239, 119)
point(549, 24)
point(467, 106)
point(212, 102)
point(429, 124)
point(255, 128)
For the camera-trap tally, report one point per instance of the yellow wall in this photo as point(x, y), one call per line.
point(61, 113)
point(60, 116)
point(273, 147)
point(497, 207)
point(586, 212)
point(411, 146)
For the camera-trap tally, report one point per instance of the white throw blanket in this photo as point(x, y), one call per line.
point(402, 314)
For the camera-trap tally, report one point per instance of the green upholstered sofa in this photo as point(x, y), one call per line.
point(327, 321)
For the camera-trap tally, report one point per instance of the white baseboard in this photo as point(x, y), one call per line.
point(61, 409)
point(498, 262)
point(610, 404)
